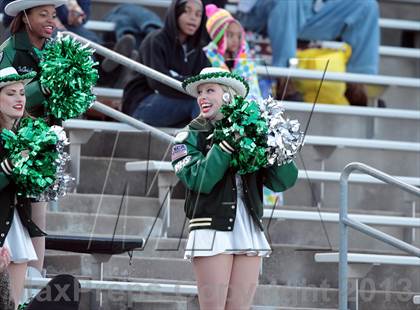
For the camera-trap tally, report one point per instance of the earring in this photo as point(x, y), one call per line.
point(226, 97)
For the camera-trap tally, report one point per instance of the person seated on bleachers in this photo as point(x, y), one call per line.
point(229, 49)
point(132, 19)
point(132, 24)
point(71, 16)
point(176, 51)
point(355, 22)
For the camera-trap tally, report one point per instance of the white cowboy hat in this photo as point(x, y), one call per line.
point(9, 76)
point(13, 8)
point(218, 76)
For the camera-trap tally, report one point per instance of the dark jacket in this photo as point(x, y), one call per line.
point(161, 50)
point(205, 169)
point(8, 204)
point(18, 52)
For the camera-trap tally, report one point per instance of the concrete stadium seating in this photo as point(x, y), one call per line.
point(110, 201)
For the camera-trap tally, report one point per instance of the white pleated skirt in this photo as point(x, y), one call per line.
point(19, 242)
point(245, 238)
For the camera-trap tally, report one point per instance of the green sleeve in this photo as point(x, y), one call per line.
point(198, 172)
point(4, 180)
point(6, 55)
point(280, 178)
point(34, 95)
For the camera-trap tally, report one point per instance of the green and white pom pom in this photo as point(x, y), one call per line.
point(245, 130)
point(33, 154)
point(67, 71)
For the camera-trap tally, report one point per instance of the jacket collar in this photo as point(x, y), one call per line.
point(201, 124)
point(21, 41)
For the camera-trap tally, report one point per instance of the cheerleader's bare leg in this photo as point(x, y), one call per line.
point(213, 275)
point(243, 282)
point(39, 214)
point(17, 273)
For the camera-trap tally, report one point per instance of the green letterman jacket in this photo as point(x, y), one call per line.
point(18, 52)
point(205, 169)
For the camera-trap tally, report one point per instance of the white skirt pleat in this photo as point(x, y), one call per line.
point(19, 242)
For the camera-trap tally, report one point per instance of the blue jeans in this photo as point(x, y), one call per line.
point(162, 111)
point(133, 19)
point(85, 33)
point(285, 21)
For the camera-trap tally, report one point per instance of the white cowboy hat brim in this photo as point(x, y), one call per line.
point(16, 78)
point(239, 85)
point(15, 7)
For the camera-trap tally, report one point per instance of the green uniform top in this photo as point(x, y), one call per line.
point(18, 52)
point(204, 168)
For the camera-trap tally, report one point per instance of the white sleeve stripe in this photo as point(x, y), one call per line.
point(4, 168)
point(228, 146)
point(223, 147)
point(7, 164)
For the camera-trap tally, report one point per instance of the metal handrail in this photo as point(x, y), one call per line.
point(345, 221)
point(125, 61)
point(124, 118)
point(371, 79)
point(117, 115)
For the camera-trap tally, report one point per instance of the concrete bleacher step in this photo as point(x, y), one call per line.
point(288, 265)
point(353, 126)
point(374, 197)
point(126, 145)
point(101, 146)
point(109, 204)
point(294, 232)
point(86, 224)
point(100, 175)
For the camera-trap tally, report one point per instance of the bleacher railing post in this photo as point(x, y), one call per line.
point(345, 222)
point(343, 247)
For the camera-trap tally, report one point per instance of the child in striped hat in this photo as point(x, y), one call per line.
point(228, 48)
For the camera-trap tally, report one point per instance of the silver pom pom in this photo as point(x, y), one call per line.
point(284, 138)
point(63, 181)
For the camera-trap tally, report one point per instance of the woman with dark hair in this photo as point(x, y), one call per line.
point(33, 25)
point(176, 51)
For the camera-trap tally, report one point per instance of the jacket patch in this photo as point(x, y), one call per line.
point(182, 163)
point(24, 69)
point(179, 151)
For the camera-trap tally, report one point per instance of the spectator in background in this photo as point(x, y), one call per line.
point(132, 24)
point(228, 48)
point(74, 15)
point(355, 22)
point(176, 51)
point(133, 19)
point(71, 16)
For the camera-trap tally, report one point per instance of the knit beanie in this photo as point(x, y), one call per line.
point(217, 21)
